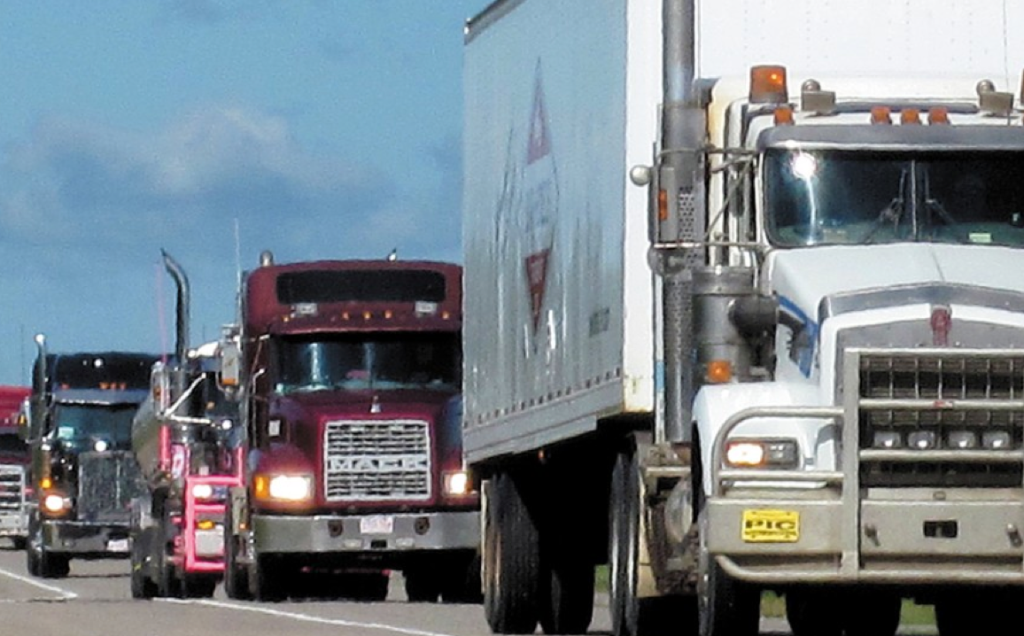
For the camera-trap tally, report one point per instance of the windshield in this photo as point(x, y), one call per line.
point(364, 361)
point(112, 423)
point(842, 197)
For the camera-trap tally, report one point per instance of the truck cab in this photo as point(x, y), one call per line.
point(83, 474)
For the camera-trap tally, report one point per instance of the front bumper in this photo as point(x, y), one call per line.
point(14, 525)
point(956, 537)
point(86, 539)
point(383, 533)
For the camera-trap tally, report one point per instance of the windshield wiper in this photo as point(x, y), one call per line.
point(891, 213)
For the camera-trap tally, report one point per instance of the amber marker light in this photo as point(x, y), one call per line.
point(938, 116)
point(719, 371)
point(910, 116)
point(768, 85)
point(881, 115)
point(783, 116)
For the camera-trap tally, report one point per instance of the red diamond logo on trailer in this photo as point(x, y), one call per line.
point(541, 203)
point(540, 142)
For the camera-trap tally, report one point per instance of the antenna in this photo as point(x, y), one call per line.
point(238, 255)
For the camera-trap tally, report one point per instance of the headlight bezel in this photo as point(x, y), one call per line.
point(288, 488)
point(768, 453)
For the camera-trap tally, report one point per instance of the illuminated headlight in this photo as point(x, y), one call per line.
point(55, 503)
point(761, 453)
point(202, 491)
point(887, 439)
point(921, 440)
point(457, 483)
point(961, 440)
point(101, 445)
point(284, 487)
point(995, 440)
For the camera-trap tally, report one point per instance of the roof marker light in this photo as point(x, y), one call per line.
point(881, 115)
point(783, 116)
point(938, 116)
point(768, 85)
point(910, 116)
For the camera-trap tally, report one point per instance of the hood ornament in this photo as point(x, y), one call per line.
point(941, 322)
point(375, 405)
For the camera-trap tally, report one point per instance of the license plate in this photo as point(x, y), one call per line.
point(771, 526)
point(117, 545)
point(377, 524)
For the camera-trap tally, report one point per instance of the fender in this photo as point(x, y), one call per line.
point(714, 404)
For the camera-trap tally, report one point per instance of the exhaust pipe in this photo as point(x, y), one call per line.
point(182, 309)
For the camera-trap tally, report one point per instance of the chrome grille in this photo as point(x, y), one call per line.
point(106, 484)
point(12, 488)
point(949, 405)
point(377, 460)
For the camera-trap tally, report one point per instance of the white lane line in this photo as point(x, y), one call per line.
point(64, 594)
point(309, 618)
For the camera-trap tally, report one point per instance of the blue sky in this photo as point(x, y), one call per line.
point(213, 129)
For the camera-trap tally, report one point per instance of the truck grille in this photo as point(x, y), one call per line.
point(941, 418)
point(106, 484)
point(12, 488)
point(377, 460)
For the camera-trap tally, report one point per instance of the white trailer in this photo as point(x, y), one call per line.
point(796, 361)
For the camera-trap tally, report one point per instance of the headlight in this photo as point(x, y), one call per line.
point(961, 440)
point(996, 440)
point(457, 483)
point(887, 439)
point(55, 503)
point(921, 440)
point(753, 453)
point(284, 487)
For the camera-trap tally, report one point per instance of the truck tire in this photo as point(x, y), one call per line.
point(421, 586)
point(725, 606)
point(236, 576)
point(512, 553)
point(623, 542)
point(570, 605)
point(813, 613)
point(142, 586)
point(198, 586)
point(872, 614)
point(40, 561)
point(268, 579)
point(461, 582)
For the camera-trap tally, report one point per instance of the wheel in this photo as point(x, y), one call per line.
point(725, 607)
point(236, 576)
point(142, 586)
point(813, 613)
point(168, 584)
point(512, 556)
point(42, 562)
point(371, 587)
point(268, 579)
point(198, 586)
point(873, 614)
point(33, 547)
point(421, 586)
point(973, 611)
point(461, 583)
point(570, 595)
point(623, 541)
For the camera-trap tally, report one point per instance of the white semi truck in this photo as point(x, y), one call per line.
point(794, 360)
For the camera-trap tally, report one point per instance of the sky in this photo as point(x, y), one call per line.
point(214, 130)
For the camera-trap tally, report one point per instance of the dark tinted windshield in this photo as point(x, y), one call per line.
point(112, 423)
point(362, 361)
point(860, 197)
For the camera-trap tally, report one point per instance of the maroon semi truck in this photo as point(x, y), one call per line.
point(14, 460)
point(350, 386)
